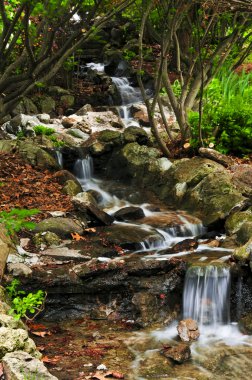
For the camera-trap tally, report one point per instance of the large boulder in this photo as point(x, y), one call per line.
point(135, 134)
point(146, 305)
point(16, 339)
point(36, 156)
point(244, 253)
point(19, 365)
point(62, 227)
point(240, 224)
point(108, 136)
point(129, 213)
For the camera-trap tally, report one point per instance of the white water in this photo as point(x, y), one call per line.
point(129, 96)
point(59, 158)
point(206, 295)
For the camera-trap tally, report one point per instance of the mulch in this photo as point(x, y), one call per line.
point(24, 186)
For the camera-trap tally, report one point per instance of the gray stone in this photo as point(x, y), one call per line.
point(20, 365)
point(44, 118)
point(11, 322)
point(23, 121)
point(62, 227)
point(47, 239)
point(36, 156)
point(83, 110)
point(19, 270)
point(64, 253)
point(95, 267)
point(78, 134)
point(129, 213)
point(16, 339)
point(85, 203)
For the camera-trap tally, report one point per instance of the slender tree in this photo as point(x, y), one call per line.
point(199, 36)
point(36, 37)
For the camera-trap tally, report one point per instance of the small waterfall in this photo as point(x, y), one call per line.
point(129, 95)
point(59, 158)
point(96, 66)
point(83, 169)
point(206, 295)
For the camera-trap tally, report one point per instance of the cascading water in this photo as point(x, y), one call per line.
point(129, 96)
point(206, 295)
point(59, 158)
point(83, 169)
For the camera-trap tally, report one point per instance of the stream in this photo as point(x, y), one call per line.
point(78, 346)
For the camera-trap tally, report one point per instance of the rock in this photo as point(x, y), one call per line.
point(36, 156)
point(142, 117)
point(130, 237)
point(129, 213)
point(19, 270)
point(83, 110)
point(63, 176)
point(108, 136)
point(245, 324)
point(244, 253)
point(85, 203)
point(20, 365)
point(67, 100)
point(24, 121)
point(216, 156)
point(68, 122)
point(242, 175)
point(11, 322)
point(46, 239)
point(240, 223)
point(64, 253)
point(184, 245)
point(78, 134)
point(147, 305)
point(16, 339)
point(71, 188)
point(188, 330)
point(45, 104)
point(98, 148)
point(5, 245)
point(44, 118)
point(179, 353)
point(57, 91)
point(135, 134)
point(95, 267)
point(62, 227)
point(7, 146)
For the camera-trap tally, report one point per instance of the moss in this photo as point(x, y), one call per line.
point(107, 135)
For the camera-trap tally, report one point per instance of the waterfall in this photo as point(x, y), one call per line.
point(129, 96)
point(59, 158)
point(83, 169)
point(206, 295)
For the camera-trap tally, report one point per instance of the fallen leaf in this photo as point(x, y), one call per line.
point(118, 375)
point(77, 237)
point(54, 360)
point(41, 333)
point(100, 375)
point(90, 229)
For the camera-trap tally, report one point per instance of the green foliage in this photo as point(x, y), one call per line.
point(227, 114)
point(176, 87)
point(23, 305)
point(128, 55)
point(41, 130)
point(15, 220)
point(56, 143)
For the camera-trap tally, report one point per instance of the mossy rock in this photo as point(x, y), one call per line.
point(108, 136)
point(48, 239)
point(63, 227)
point(67, 100)
point(243, 253)
point(135, 134)
point(7, 146)
point(45, 104)
point(245, 324)
point(98, 148)
point(71, 188)
point(36, 156)
point(240, 223)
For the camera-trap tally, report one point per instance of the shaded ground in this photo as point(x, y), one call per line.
point(22, 186)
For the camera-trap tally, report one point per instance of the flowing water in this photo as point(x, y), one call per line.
point(222, 352)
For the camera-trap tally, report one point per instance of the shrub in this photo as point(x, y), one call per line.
point(41, 130)
point(15, 219)
point(24, 305)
